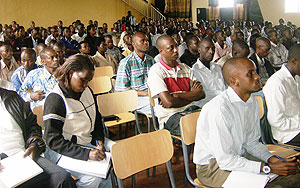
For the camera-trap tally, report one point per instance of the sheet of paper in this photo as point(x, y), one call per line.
point(93, 168)
point(15, 170)
point(238, 179)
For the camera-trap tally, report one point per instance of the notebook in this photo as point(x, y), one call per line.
point(238, 179)
point(16, 170)
point(93, 168)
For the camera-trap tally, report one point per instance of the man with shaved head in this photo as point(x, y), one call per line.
point(133, 71)
point(208, 72)
point(283, 99)
point(40, 82)
point(227, 137)
point(172, 84)
point(263, 67)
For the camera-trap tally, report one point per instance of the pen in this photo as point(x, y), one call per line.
point(281, 158)
point(100, 146)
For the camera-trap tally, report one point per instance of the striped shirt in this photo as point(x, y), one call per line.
point(133, 73)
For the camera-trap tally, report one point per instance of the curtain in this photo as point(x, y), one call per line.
point(179, 8)
point(239, 10)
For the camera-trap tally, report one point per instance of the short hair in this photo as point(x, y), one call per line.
point(43, 52)
point(89, 27)
point(77, 63)
point(189, 39)
point(82, 42)
point(271, 32)
point(253, 40)
point(28, 51)
point(294, 52)
point(108, 36)
point(60, 44)
point(239, 45)
point(99, 41)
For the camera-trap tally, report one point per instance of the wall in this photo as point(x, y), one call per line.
point(275, 10)
point(197, 4)
point(47, 12)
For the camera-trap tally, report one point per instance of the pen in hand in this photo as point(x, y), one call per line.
point(100, 147)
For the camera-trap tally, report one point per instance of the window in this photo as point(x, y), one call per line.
point(226, 3)
point(292, 6)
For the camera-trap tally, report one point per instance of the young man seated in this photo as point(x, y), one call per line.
point(174, 86)
point(8, 63)
point(283, 99)
point(20, 133)
point(28, 57)
point(227, 134)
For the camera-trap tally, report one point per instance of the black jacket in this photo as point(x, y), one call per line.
point(269, 67)
point(22, 114)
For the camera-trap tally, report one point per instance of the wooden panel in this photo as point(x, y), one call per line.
point(104, 71)
point(260, 105)
point(188, 126)
point(117, 102)
point(140, 152)
point(100, 84)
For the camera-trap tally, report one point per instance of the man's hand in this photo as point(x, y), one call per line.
point(30, 152)
point(37, 96)
point(282, 168)
point(96, 155)
point(196, 85)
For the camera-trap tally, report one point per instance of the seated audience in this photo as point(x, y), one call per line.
point(80, 36)
point(287, 38)
point(11, 40)
point(128, 45)
point(113, 50)
point(28, 64)
point(40, 47)
point(60, 49)
point(227, 136)
point(91, 39)
point(173, 85)
point(191, 54)
point(102, 58)
point(8, 63)
point(208, 72)
point(133, 71)
point(54, 35)
point(84, 48)
point(21, 133)
point(263, 67)
point(278, 53)
point(239, 49)
point(40, 82)
point(221, 48)
point(283, 97)
point(72, 120)
point(34, 40)
point(71, 45)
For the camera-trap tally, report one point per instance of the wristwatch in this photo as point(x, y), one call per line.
point(266, 169)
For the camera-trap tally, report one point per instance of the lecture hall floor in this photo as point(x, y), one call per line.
point(161, 179)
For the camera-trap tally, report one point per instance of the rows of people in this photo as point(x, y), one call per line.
point(211, 67)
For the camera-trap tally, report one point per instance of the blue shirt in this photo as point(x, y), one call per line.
point(70, 44)
point(38, 79)
point(19, 76)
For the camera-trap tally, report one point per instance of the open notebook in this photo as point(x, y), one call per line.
point(93, 168)
point(16, 169)
point(238, 179)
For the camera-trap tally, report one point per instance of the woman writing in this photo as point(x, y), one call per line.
point(72, 120)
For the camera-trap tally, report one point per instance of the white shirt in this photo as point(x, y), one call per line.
point(283, 99)
point(48, 39)
point(181, 49)
point(211, 79)
point(11, 137)
point(228, 127)
point(78, 38)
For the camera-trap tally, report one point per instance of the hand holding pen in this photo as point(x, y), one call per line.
point(97, 154)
